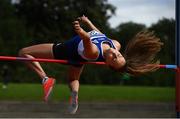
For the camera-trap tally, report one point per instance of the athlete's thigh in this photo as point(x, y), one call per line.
point(40, 51)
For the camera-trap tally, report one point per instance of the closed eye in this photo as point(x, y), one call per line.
point(116, 56)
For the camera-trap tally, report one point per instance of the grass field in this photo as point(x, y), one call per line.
point(33, 92)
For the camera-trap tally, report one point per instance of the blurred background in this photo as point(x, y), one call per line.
point(29, 22)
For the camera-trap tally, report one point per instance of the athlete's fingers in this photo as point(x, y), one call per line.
point(76, 24)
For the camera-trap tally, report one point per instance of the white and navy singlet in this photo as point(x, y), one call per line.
point(72, 50)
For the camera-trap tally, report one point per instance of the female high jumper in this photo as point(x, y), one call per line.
point(138, 57)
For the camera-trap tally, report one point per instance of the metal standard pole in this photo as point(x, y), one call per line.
point(177, 60)
point(178, 92)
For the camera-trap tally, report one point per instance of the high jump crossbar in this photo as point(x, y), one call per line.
point(11, 58)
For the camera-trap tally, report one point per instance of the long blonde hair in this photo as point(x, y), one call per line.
point(140, 53)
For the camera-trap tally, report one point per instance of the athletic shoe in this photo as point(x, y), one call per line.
point(47, 87)
point(73, 106)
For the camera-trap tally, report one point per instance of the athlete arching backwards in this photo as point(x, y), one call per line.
point(138, 57)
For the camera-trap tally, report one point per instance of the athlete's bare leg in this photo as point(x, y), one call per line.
point(73, 78)
point(37, 51)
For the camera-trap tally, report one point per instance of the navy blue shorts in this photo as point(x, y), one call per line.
point(60, 51)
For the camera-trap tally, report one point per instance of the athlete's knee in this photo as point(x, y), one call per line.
point(22, 52)
point(73, 79)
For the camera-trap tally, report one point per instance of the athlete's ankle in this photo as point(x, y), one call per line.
point(44, 79)
point(74, 94)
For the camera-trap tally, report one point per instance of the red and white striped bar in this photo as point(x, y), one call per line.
point(10, 58)
point(168, 66)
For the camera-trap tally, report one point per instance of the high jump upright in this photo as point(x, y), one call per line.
point(177, 59)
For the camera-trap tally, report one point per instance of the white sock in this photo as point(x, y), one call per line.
point(74, 93)
point(44, 79)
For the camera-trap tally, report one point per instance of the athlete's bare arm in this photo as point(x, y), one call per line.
point(87, 22)
point(90, 50)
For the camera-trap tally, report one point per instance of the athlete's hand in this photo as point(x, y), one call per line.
point(77, 26)
point(83, 19)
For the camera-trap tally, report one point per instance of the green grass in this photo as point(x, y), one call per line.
point(33, 92)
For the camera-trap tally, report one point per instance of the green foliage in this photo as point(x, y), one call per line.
point(11, 29)
point(165, 30)
point(126, 31)
point(49, 21)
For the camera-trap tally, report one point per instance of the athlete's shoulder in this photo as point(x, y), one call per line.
point(117, 44)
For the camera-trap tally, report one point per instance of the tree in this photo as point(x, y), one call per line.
point(11, 29)
point(126, 31)
point(49, 20)
point(12, 33)
point(165, 30)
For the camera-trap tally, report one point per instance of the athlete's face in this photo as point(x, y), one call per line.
point(114, 59)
